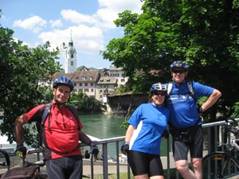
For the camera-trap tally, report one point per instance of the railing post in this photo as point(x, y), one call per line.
point(92, 166)
point(105, 161)
point(128, 170)
point(117, 160)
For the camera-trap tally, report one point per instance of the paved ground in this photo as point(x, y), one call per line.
point(98, 167)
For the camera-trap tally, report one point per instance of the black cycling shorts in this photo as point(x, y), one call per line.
point(144, 163)
point(190, 139)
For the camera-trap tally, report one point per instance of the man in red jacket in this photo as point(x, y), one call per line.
point(61, 133)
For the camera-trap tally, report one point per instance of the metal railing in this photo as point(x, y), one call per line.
point(212, 139)
point(112, 162)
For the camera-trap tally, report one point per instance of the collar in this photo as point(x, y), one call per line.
point(58, 105)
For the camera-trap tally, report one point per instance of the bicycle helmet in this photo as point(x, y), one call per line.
point(178, 64)
point(158, 87)
point(63, 80)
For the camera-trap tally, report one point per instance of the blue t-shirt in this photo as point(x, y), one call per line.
point(182, 105)
point(149, 122)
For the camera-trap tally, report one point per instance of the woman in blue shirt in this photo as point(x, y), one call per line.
point(142, 140)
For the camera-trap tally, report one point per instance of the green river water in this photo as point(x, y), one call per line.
point(107, 126)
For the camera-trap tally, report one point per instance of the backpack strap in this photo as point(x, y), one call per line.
point(46, 112)
point(169, 88)
point(40, 123)
point(190, 87)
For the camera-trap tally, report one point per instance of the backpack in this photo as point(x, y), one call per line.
point(189, 84)
point(41, 125)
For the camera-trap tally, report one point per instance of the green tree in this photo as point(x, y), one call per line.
point(86, 104)
point(22, 68)
point(203, 33)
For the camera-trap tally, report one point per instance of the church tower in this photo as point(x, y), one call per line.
point(70, 59)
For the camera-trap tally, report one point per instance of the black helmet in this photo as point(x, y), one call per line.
point(179, 64)
point(158, 87)
point(63, 80)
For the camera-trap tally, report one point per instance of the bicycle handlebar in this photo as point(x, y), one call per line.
point(35, 150)
point(232, 126)
point(235, 143)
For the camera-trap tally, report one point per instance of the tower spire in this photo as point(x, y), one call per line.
point(71, 36)
point(70, 61)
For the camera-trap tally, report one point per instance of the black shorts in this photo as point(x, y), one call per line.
point(189, 139)
point(143, 163)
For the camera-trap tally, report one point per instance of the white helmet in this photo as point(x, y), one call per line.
point(158, 87)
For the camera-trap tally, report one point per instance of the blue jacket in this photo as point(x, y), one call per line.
point(183, 106)
point(150, 122)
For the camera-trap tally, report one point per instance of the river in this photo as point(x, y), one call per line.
point(103, 126)
point(107, 126)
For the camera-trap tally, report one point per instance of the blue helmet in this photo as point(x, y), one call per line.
point(158, 87)
point(63, 80)
point(179, 64)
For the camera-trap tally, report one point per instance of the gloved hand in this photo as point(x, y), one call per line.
point(21, 150)
point(87, 154)
point(125, 148)
point(94, 150)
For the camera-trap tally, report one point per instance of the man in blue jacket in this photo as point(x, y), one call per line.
point(185, 122)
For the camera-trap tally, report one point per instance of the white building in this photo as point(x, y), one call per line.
point(116, 73)
point(70, 61)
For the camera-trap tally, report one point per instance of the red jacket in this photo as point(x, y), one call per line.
point(61, 131)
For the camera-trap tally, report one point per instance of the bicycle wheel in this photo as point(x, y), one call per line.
point(214, 165)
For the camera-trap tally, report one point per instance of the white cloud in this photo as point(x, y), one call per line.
point(56, 23)
point(86, 39)
point(105, 15)
point(109, 10)
point(34, 23)
point(120, 5)
point(76, 17)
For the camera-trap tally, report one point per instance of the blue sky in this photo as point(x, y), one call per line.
point(89, 21)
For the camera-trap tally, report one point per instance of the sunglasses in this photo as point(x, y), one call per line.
point(161, 93)
point(178, 71)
